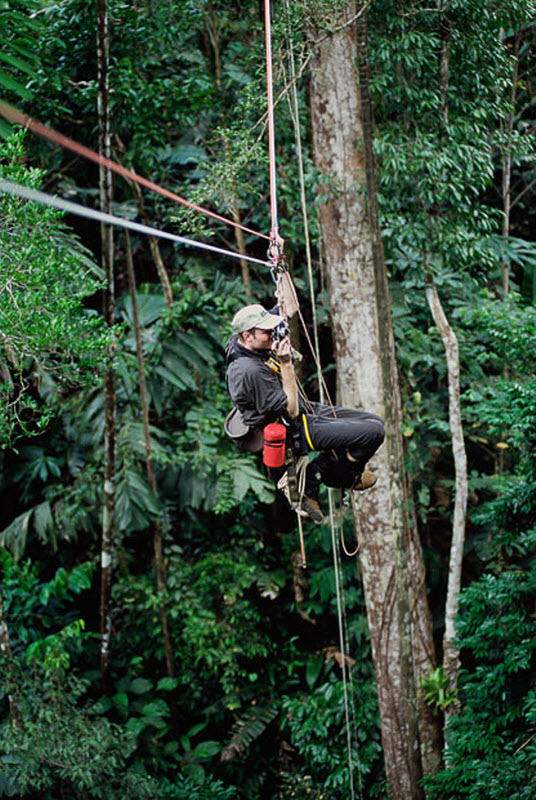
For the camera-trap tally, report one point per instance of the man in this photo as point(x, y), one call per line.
point(262, 386)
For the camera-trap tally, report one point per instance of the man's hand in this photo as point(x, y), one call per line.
point(282, 349)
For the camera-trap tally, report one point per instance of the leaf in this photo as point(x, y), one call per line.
point(136, 725)
point(121, 700)
point(18, 63)
point(140, 685)
point(14, 537)
point(178, 377)
point(167, 684)
point(206, 750)
point(314, 668)
point(155, 707)
point(13, 85)
point(248, 728)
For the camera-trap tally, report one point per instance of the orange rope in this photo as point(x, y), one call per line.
point(15, 116)
point(271, 125)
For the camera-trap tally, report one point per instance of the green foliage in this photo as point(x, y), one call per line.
point(187, 101)
point(47, 334)
point(436, 691)
point(35, 607)
point(214, 624)
point(315, 723)
point(64, 744)
point(491, 752)
point(18, 60)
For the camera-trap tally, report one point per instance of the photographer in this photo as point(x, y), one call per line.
point(262, 386)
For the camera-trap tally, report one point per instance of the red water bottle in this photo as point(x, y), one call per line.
point(273, 454)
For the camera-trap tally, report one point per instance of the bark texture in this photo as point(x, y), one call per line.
point(105, 185)
point(364, 345)
point(451, 653)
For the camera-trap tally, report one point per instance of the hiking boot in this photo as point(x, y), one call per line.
point(364, 481)
point(310, 508)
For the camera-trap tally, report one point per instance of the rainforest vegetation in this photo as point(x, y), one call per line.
point(159, 637)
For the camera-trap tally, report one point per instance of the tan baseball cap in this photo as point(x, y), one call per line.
point(255, 316)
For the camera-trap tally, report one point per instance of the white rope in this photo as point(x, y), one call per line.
point(36, 196)
point(338, 591)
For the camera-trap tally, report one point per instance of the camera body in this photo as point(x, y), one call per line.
point(280, 331)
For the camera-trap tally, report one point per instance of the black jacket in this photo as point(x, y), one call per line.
point(254, 384)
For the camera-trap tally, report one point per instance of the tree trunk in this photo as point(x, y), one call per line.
point(451, 653)
point(157, 536)
point(507, 162)
point(422, 642)
point(5, 650)
point(105, 184)
point(213, 36)
point(154, 247)
point(444, 61)
point(364, 344)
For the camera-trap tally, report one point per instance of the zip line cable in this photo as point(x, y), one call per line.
point(15, 116)
point(36, 196)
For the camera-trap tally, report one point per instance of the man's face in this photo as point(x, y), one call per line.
point(258, 339)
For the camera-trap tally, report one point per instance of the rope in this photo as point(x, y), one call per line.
point(15, 116)
point(271, 124)
point(347, 681)
point(294, 113)
point(338, 591)
point(36, 196)
point(342, 539)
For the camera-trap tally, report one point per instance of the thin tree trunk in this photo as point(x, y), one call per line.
point(157, 536)
point(5, 650)
point(366, 369)
point(507, 163)
point(105, 184)
point(451, 653)
point(212, 29)
point(444, 61)
point(155, 248)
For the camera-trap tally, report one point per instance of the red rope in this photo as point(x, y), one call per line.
point(38, 128)
point(271, 126)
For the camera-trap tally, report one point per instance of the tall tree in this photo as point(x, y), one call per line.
point(365, 353)
point(107, 245)
point(157, 533)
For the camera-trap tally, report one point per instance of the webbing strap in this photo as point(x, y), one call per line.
point(306, 429)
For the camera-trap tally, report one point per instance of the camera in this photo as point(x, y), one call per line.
point(280, 331)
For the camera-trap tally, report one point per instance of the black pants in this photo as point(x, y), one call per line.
point(345, 439)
